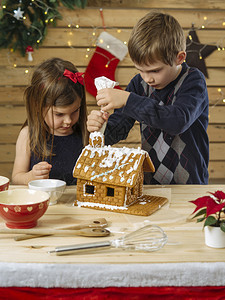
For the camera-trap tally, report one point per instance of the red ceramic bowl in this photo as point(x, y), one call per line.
point(4, 183)
point(21, 208)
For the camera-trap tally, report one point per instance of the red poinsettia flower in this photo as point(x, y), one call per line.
point(219, 195)
point(211, 210)
point(212, 204)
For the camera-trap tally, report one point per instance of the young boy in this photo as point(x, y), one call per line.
point(168, 98)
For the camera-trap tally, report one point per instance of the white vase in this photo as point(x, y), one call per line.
point(214, 237)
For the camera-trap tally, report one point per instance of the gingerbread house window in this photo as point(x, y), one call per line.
point(110, 192)
point(89, 189)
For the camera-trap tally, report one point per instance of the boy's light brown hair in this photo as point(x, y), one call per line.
point(156, 36)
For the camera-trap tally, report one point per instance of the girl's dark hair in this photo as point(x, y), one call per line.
point(50, 88)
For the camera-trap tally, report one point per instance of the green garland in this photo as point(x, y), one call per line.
point(24, 23)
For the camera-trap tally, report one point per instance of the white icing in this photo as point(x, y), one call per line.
point(132, 178)
point(78, 166)
point(130, 170)
point(114, 159)
point(86, 169)
point(122, 177)
point(92, 155)
point(125, 198)
point(125, 159)
point(106, 206)
point(136, 164)
point(94, 135)
point(97, 135)
point(143, 202)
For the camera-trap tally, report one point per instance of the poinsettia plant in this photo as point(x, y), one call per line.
point(211, 209)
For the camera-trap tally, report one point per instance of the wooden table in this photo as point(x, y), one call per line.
point(184, 261)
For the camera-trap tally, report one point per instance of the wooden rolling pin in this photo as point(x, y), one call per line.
point(42, 232)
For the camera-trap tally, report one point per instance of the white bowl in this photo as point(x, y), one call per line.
point(54, 187)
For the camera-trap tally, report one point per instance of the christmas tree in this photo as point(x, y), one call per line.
point(23, 23)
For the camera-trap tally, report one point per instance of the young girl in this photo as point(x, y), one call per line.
point(54, 133)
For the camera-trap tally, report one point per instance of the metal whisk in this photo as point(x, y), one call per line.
point(148, 238)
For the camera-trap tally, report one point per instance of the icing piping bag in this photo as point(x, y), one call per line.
point(102, 83)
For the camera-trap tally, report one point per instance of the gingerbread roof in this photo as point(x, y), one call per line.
point(110, 165)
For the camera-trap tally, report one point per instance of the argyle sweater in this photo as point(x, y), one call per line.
point(173, 123)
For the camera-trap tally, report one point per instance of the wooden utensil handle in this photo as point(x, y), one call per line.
point(38, 231)
point(82, 232)
point(95, 223)
point(24, 237)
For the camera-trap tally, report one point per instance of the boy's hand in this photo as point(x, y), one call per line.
point(95, 120)
point(111, 98)
point(41, 170)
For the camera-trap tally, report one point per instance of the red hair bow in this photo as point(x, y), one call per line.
point(75, 77)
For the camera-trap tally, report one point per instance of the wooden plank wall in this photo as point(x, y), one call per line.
point(72, 43)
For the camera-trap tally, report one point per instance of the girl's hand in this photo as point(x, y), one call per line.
point(21, 173)
point(111, 98)
point(41, 170)
point(96, 119)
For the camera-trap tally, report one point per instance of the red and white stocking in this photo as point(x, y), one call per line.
point(108, 53)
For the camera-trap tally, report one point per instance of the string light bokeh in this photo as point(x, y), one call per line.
point(72, 26)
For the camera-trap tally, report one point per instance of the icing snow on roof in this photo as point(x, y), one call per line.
point(118, 166)
point(106, 164)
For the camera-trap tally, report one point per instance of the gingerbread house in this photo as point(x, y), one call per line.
point(110, 178)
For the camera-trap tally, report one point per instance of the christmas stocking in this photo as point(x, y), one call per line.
point(108, 53)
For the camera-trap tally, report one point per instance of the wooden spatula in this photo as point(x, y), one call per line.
point(95, 223)
point(42, 232)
